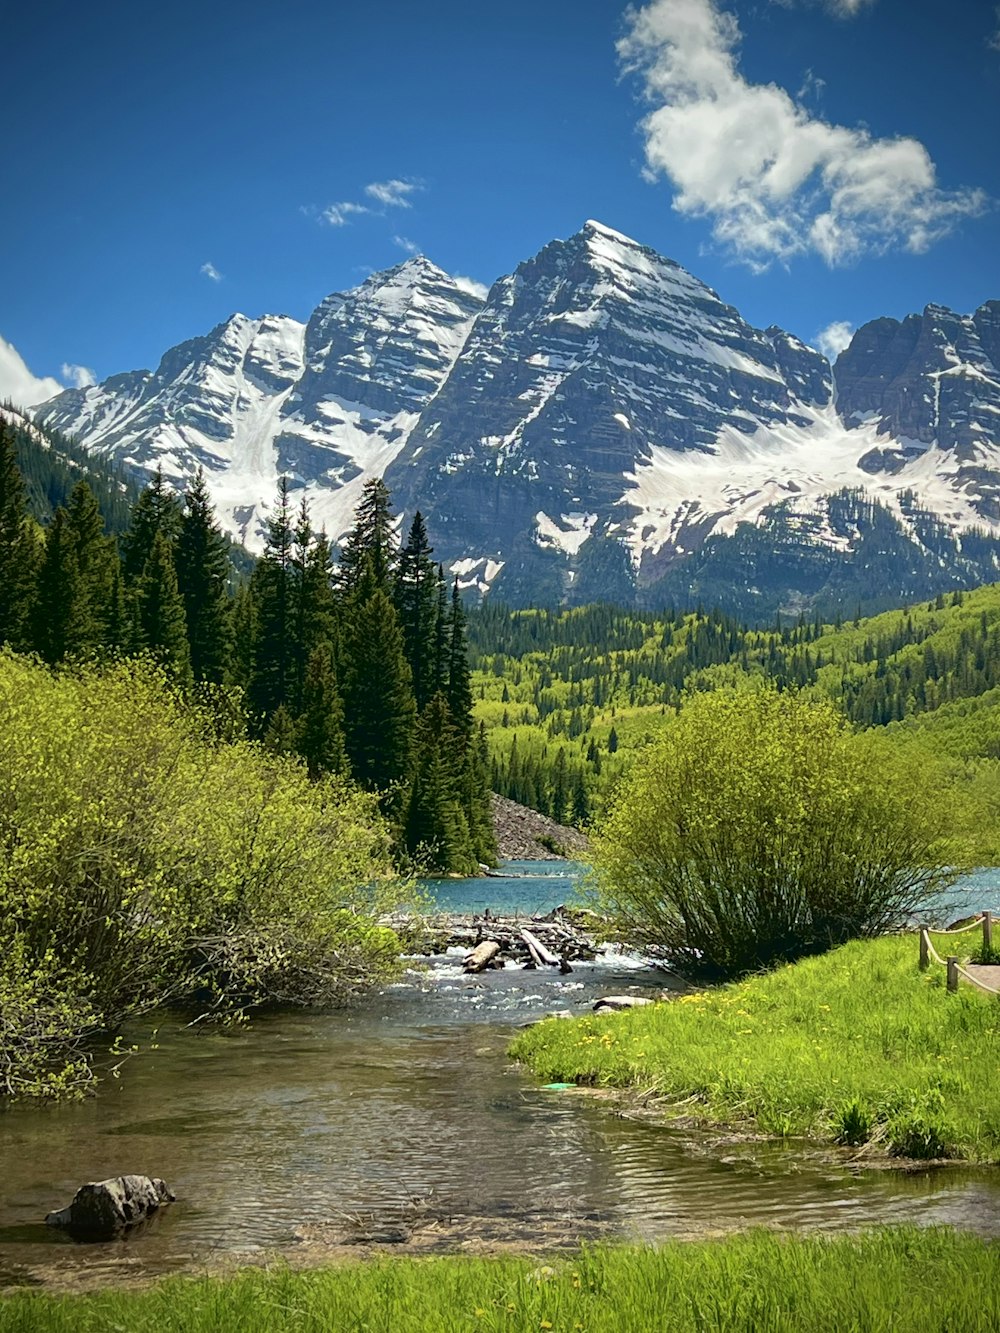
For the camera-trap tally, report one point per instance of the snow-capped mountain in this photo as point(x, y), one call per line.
point(599, 416)
point(328, 403)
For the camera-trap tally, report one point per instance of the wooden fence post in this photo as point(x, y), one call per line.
point(987, 935)
point(925, 957)
point(953, 973)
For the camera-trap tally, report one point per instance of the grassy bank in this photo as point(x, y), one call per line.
point(902, 1279)
point(855, 1047)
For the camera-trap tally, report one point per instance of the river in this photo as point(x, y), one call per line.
point(310, 1119)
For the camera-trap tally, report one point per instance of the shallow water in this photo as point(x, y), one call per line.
point(311, 1118)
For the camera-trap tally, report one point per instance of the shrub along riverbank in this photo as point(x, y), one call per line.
point(899, 1279)
point(145, 860)
point(855, 1047)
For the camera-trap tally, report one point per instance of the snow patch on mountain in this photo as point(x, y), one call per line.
point(796, 465)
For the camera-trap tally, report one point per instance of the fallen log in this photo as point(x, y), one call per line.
point(483, 956)
point(538, 950)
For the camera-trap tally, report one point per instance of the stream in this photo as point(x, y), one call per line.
point(409, 1101)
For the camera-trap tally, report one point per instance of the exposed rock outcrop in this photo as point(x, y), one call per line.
point(525, 835)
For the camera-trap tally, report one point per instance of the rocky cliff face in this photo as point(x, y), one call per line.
point(600, 421)
point(583, 360)
point(929, 383)
point(328, 403)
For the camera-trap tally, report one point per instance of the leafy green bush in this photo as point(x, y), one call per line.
point(143, 860)
point(759, 827)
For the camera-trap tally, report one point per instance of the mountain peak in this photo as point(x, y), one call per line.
point(594, 228)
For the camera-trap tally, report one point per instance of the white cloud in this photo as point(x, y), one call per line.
point(832, 340)
point(18, 383)
point(392, 194)
point(471, 286)
point(339, 215)
point(843, 9)
point(775, 181)
point(210, 271)
point(388, 194)
point(406, 244)
point(80, 377)
point(993, 41)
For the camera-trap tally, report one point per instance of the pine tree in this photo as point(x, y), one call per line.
point(157, 510)
point(459, 693)
point(244, 638)
point(160, 627)
point(281, 733)
point(437, 829)
point(479, 800)
point(202, 560)
point(370, 547)
point(19, 550)
point(272, 682)
point(97, 565)
point(559, 794)
point(320, 731)
point(61, 620)
point(417, 602)
point(378, 695)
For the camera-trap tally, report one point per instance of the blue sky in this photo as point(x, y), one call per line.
point(816, 161)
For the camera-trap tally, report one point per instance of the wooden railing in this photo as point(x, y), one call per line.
point(951, 962)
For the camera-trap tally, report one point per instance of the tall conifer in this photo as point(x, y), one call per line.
point(378, 694)
point(157, 510)
point(19, 549)
point(417, 603)
point(370, 547)
point(321, 725)
point(160, 611)
point(274, 670)
point(202, 574)
point(62, 619)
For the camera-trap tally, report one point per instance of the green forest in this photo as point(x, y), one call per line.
point(358, 668)
point(568, 696)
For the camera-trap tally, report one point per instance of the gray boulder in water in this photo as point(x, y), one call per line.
point(106, 1207)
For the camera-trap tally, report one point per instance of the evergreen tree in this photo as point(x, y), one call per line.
point(202, 575)
point(436, 826)
point(479, 800)
point(315, 602)
point(97, 565)
point(275, 666)
point(559, 795)
point(417, 601)
point(157, 510)
point(459, 692)
point(370, 549)
point(378, 694)
point(62, 625)
point(160, 627)
point(320, 737)
point(281, 733)
point(19, 550)
point(244, 638)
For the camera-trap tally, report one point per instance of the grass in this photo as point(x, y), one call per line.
point(856, 1047)
point(898, 1279)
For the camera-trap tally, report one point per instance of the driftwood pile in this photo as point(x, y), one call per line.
point(556, 940)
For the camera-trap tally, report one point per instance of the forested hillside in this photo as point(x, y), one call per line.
point(51, 464)
point(566, 695)
point(359, 669)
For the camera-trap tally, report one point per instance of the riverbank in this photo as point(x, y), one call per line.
point(855, 1047)
point(897, 1279)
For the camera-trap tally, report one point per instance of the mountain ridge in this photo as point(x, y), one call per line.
point(600, 421)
